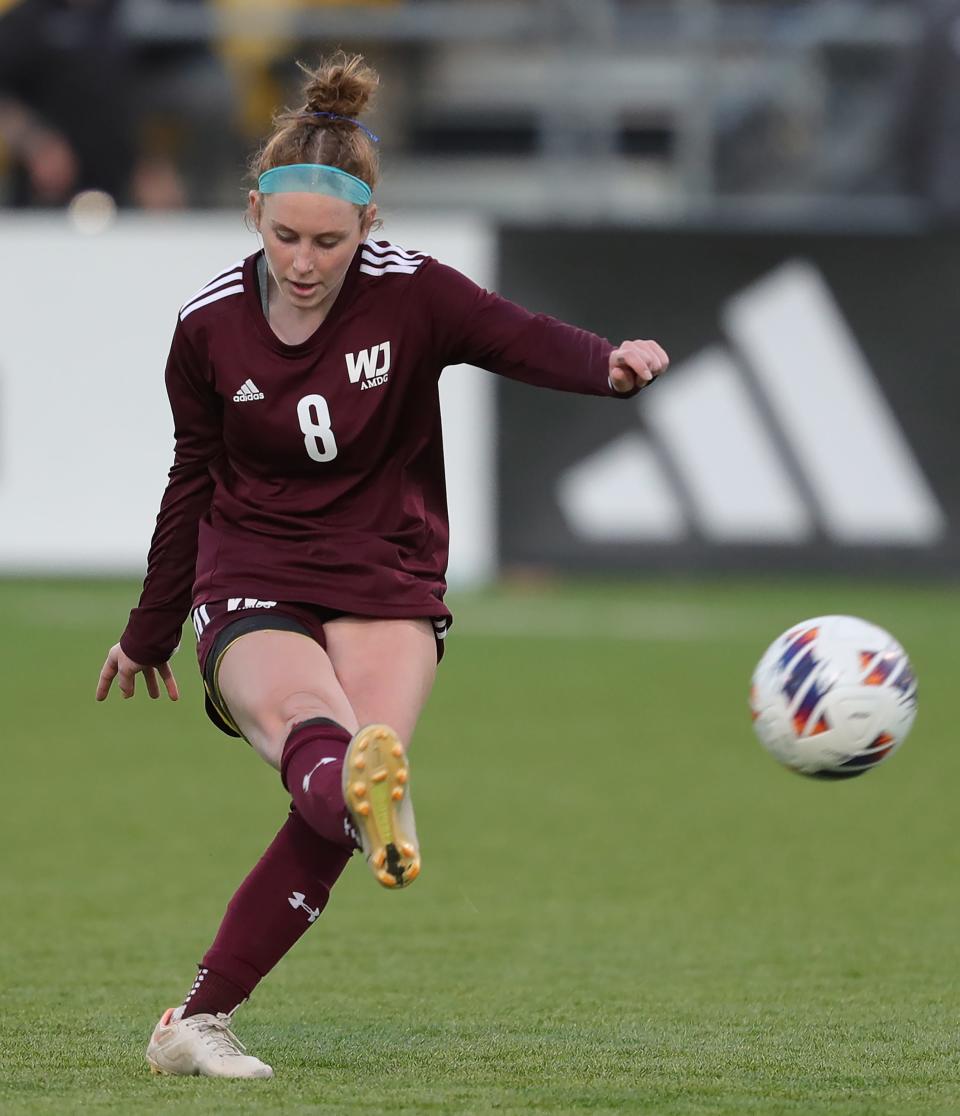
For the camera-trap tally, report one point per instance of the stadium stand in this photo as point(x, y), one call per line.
point(556, 108)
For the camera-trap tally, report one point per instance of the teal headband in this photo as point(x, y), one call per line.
point(315, 178)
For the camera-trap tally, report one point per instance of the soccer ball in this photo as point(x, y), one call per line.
point(833, 697)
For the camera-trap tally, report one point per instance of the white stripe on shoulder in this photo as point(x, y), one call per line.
point(226, 281)
point(237, 288)
point(387, 259)
point(382, 261)
point(392, 269)
point(233, 272)
point(384, 247)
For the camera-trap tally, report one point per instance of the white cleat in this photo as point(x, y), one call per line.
point(200, 1045)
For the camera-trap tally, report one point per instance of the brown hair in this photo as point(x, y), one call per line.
point(342, 84)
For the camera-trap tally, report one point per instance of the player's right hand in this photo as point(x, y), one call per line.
point(125, 670)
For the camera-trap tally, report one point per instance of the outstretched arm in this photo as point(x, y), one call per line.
point(475, 326)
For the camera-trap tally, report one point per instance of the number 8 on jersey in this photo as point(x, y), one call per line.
point(314, 416)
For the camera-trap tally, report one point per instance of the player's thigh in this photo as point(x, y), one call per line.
point(270, 680)
point(386, 668)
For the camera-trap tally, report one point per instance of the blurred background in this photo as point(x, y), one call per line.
point(653, 108)
point(770, 188)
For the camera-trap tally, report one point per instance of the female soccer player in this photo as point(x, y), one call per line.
point(305, 519)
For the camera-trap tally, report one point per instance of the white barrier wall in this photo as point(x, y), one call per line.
point(85, 431)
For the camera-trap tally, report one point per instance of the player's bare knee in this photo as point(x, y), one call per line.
point(305, 706)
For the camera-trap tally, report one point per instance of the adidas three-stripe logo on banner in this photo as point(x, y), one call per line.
point(781, 434)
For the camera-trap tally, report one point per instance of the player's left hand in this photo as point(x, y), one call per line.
point(635, 364)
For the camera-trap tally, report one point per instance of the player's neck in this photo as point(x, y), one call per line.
point(291, 324)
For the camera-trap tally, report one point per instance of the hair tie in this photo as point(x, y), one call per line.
point(347, 120)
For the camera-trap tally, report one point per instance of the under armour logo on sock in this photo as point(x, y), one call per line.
point(310, 774)
point(298, 900)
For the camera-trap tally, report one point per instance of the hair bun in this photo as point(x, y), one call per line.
point(343, 84)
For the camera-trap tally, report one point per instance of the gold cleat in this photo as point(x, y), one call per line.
point(380, 805)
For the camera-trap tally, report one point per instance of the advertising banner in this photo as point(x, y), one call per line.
point(86, 436)
point(809, 420)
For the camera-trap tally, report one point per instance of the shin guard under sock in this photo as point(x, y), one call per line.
point(311, 769)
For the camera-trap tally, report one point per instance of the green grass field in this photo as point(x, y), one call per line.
point(626, 906)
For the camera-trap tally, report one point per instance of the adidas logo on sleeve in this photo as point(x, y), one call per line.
point(248, 392)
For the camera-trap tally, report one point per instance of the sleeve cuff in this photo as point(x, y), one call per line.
point(151, 636)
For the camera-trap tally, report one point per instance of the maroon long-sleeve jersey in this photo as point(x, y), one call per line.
point(314, 472)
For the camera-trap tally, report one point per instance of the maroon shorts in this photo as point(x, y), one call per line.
point(219, 623)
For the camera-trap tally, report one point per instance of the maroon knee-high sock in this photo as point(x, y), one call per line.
point(311, 769)
point(280, 899)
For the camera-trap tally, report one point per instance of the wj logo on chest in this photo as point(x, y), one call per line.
point(370, 367)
